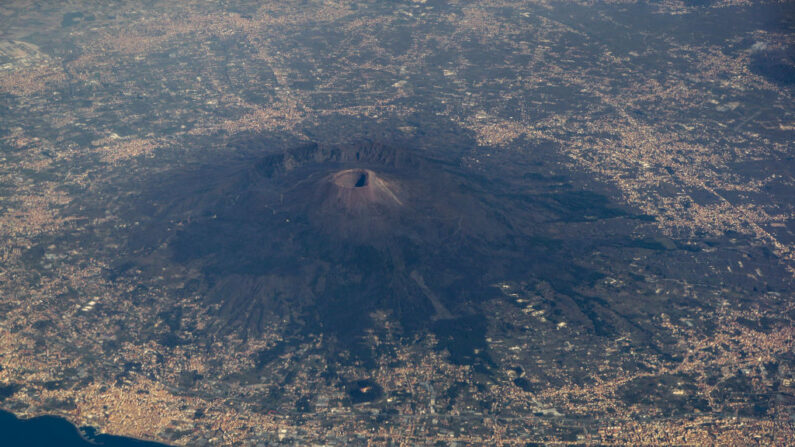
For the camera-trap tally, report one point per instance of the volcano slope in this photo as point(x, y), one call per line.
point(319, 237)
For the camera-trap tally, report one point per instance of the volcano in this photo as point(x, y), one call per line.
point(321, 236)
point(355, 203)
point(358, 191)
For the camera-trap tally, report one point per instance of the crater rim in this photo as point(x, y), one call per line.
point(353, 178)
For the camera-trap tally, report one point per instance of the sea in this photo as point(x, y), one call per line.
point(54, 431)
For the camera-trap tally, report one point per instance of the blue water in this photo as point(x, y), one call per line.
point(51, 431)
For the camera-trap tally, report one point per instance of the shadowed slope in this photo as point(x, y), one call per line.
point(321, 236)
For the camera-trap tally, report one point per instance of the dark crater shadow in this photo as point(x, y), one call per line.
point(361, 391)
point(318, 237)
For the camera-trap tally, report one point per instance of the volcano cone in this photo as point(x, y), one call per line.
point(323, 236)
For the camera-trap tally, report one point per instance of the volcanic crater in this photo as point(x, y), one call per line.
point(357, 193)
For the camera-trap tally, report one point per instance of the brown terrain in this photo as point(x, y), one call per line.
point(425, 222)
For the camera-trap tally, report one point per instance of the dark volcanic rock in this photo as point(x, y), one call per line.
point(776, 64)
point(319, 237)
